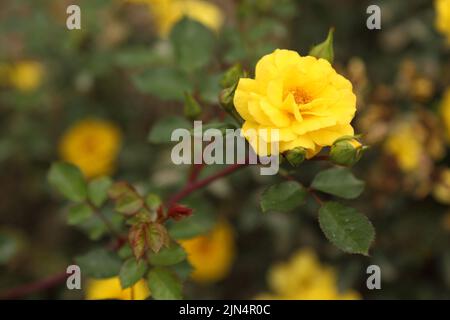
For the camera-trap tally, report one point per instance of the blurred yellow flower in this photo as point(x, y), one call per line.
point(304, 278)
point(445, 112)
point(443, 17)
point(110, 289)
point(211, 255)
point(92, 145)
point(26, 75)
point(405, 145)
point(441, 189)
point(168, 12)
point(303, 97)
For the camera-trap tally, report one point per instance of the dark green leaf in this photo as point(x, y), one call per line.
point(162, 130)
point(339, 182)
point(164, 83)
point(284, 196)
point(131, 272)
point(125, 252)
point(346, 228)
point(193, 44)
point(98, 190)
point(198, 223)
point(68, 180)
point(164, 285)
point(183, 269)
point(99, 263)
point(78, 213)
point(168, 256)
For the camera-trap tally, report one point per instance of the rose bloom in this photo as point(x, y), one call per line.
point(110, 289)
point(443, 17)
point(303, 97)
point(405, 145)
point(303, 277)
point(167, 13)
point(92, 145)
point(212, 254)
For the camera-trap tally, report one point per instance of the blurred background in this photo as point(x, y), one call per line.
point(114, 80)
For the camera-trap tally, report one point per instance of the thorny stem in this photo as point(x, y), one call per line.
point(30, 288)
point(193, 186)
point(315, 196)
point(195, 172)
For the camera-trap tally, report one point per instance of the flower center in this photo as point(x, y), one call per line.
point(90, 144)
point(300, 96)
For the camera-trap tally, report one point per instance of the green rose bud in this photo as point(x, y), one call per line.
point(231, 76)
point(346, 151)
point(192, 109)
point(226, 100)
point(295, 156)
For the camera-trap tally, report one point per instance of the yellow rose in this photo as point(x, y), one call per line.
point(303, 97)
point(111, 289)
point(211, 255)
point(26, 75)
point(168, 12)
point(445, 112)
point(304, 278)
point(92, 145)
point(443, 17)
point(405, 144)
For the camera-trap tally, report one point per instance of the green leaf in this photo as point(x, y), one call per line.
point(339, 182)
point(164, 285)
point(325, 49)
point(162, 130)
point(68, 180)
point(99, 263)
point(131, 272)
point(183, 269)
point(137, 240)
point(95, 227)
point(157, 237)
point(98, 190)
point(125, 251)
point(192, 109)
point(284, 196)
point(164, 83)
point(153, 201)
point(197, 224)
point(120, 188)
point(168, 256)
point(78, 213)
point(193, 44)
point(346, 228)
point(129, 203)
point(138, 57)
